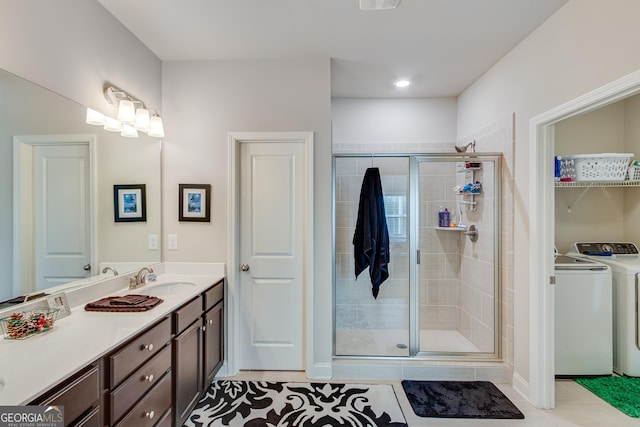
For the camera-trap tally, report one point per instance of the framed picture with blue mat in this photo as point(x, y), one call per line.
point(459, 399)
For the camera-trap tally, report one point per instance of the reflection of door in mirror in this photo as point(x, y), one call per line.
point(53, 191)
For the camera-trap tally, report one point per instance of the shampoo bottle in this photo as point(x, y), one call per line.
point(441, 217)
point(447, 218)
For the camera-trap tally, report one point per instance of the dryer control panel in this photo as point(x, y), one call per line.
point(604, 249)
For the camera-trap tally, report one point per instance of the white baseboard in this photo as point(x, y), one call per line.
point(521, 386)
point(320, 371)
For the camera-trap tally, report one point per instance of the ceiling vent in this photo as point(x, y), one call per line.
point(378, 4)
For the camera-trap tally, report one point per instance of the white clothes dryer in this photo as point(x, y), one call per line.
point(583, 318)
point(624, 260)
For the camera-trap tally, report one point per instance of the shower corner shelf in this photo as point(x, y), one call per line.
point(452, 228)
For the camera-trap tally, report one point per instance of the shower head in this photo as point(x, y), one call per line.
point(472, 144)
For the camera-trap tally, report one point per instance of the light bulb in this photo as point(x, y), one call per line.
point(112, 125)
point(127, 112)
point(94, 117)
point(156, 129)
point(142, 120)
point(129, 131)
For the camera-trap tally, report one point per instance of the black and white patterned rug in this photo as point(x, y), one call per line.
point(254, 403)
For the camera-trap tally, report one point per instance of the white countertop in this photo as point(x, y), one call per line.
point(30, 366)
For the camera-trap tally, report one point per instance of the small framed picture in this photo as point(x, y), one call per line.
point(129, 203)
point(60, 302)
point(194, 202)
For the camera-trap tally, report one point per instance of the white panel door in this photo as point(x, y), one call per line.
point(271, 247)
point(62, 219)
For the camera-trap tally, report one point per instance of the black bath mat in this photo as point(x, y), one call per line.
point(459, 399)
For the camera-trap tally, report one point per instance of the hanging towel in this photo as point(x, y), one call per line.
point(371, 238)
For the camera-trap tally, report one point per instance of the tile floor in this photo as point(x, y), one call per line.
point(575, 406)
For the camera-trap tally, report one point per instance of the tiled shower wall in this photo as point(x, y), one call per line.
point(439, 252)
point(477, 276)
point(498, 137)
point(457, 276)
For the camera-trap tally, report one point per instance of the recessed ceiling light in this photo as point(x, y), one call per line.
point(378, 4)
point(402, 83)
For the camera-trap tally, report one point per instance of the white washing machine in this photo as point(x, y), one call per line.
point(624, 260)
point(583, 317)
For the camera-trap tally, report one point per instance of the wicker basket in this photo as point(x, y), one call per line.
point(23, 325)
point(601, 167)
point(633, 173)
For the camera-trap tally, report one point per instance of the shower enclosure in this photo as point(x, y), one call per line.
point(441, 299)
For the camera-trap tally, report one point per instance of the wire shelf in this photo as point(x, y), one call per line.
point(584, 184)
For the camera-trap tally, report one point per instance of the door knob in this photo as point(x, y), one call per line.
point(244, 267)
point(86, 267)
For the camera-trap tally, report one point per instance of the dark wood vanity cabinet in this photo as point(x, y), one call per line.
point(154, 379)
point(197, 348)
point(187, 358)
point(80, 397)
point(139, 380)
point(214, 332)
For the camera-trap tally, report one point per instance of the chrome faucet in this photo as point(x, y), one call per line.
point(140, 279)
point(115, 272)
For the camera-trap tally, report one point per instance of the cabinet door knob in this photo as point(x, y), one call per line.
point(150, 414)
point(244, 267)
point(147, 347)
point(210, 321)
point(204, 328)
point(148, 378)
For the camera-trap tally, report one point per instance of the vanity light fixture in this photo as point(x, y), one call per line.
point(126, 112)
point(95, 117)
point(129, 131)
point(112, 125)
point(132, 116)
point(156, 129)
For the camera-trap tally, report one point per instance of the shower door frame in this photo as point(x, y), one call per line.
point(414, 244)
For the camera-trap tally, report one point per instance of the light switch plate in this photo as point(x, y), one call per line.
point(153, 242)
point(173, 242)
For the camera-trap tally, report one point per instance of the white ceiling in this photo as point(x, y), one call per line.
point(443, 46)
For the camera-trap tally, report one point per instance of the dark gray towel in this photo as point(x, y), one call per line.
point(371, 238)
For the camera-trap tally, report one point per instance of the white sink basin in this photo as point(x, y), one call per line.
point(164, 288)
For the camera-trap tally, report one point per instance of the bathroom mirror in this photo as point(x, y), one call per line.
point(35, 122)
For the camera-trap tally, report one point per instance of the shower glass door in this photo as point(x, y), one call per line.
point(441, 299)
point(364, 325)
point(457, 280)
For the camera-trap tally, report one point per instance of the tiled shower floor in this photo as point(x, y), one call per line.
point(377, 342)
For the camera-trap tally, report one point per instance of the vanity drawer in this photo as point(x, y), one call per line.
point(152, 407)
point(91, 420)
point(214, 295)
point(139, 383)
point(134, 354)
point(78, 396)
point(187, 314)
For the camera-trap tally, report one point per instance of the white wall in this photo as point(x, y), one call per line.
point(632, 145)
point(385, 125)
point(585, 45)
point(73, 47)
point(597, 214)
point(203, 102)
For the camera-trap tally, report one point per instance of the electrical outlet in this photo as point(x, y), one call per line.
point(153, 242)
point(173, 242)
